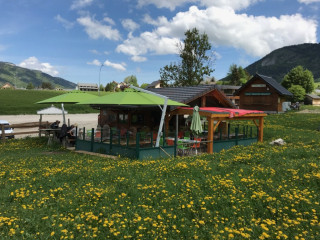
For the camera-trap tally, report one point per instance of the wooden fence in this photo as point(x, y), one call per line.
point(26, 126)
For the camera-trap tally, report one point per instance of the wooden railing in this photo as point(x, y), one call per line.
point(26, 126)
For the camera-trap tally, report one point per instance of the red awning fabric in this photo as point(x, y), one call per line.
point(232, 111)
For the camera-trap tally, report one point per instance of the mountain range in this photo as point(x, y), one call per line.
point(280, 61)
point(21, 77)
point(276, 65)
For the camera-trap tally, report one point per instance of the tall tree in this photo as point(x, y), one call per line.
point(132, 80)
point(237, 75)
point(47, 85)
point(111, 87)
point(195, 64)
point(299, 76)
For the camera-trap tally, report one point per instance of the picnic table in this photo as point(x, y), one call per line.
point(52, 134)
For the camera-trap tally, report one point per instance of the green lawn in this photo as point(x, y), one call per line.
point(15, 102)
point(255, 192)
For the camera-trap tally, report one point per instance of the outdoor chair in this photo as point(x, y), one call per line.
point(170, 142)
point(183, 148)
point(197, 145)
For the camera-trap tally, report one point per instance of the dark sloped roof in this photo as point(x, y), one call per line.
point(271, 82)
point(187, 94)
point(313, 96)
point(184, 94)
point(153, 84)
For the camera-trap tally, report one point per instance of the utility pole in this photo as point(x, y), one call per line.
point(99, 79)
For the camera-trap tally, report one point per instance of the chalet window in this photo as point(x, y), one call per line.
point(257, 93)
point(123, 118)
point(258, 85)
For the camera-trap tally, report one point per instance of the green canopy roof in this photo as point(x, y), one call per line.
point(69, 97)
point(130, 97)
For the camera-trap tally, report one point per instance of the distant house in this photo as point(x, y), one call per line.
point(87, 87)
point(155, 84)
point(262, 93)
point(7, 86)
point(312, 99)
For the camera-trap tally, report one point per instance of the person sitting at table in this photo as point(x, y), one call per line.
point(72, 132)
point(55, 124)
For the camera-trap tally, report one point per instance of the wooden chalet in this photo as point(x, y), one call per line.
point(262, 93)
point(149, 117)
point(7, 86)
point(312, 99)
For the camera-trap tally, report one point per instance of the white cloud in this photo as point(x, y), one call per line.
point(257, 35)
point(65, 23)
point(108, 20)
point(94, 51)
point(77, 4)
point(97, 30)
point(172, 4)
point(95, 62)
point(117, 66)
point(129, 24)
point(308, 1)
point(138, 59)
point(34, 63)
point(148, 42)
point(158, 22)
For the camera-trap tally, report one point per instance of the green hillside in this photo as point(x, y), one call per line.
point(279, 62)
point(15, 102)
point(20, 77)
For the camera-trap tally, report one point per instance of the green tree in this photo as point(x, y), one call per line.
point(194, 63)
point(144, 85)
point(30, 86)
point(237, 75)
point(47, 85)
point(298, 93)
point(101, 88)
point(132, 80)
point(299, 76)
point(111, 87)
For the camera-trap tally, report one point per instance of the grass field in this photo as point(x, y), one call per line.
point(15, 102)
point(255, 192)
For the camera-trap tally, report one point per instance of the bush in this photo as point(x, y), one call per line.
point(298, 93)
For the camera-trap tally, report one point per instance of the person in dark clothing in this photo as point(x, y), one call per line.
point(55, 125)
point(63, 132)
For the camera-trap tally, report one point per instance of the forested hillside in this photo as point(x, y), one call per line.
point(279, 62)
point(21, 77)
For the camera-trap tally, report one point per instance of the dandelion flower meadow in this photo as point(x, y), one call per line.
point(255, 192)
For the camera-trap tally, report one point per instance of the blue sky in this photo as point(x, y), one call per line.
point(71, 39)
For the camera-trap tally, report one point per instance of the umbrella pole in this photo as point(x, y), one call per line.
point(64, 117)
point(164, 109)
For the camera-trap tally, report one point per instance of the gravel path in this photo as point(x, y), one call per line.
point(88, 121)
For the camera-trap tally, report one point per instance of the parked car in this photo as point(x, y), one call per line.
point(7, 130)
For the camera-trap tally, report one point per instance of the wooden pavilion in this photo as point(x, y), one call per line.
point(215, 116)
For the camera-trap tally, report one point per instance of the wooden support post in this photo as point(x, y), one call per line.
point(40, 123)
point(203, 101)
point(210, 135)
point(260, 129)
point(3, 133)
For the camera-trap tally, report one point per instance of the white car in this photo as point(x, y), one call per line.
point(7, 130)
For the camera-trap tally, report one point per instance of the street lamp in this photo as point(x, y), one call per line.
point(99, 79)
